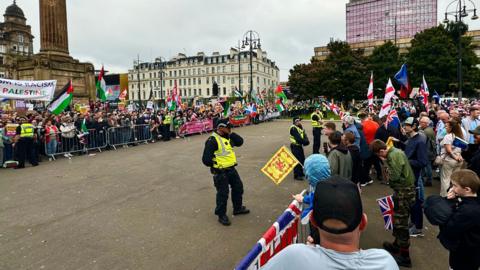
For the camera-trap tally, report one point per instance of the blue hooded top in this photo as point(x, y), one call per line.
point(316, 168)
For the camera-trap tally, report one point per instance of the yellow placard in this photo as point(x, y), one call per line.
point(280, 165)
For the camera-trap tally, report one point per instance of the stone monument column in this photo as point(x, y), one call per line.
point(53, 27)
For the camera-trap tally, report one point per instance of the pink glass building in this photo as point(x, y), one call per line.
point(373, 20)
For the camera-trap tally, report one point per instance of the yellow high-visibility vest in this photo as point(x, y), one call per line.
point(316, 124)
point(27, 130)
point(224, 155)
point(300, 131)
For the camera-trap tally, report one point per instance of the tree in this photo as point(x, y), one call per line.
point(434, 54)
point(384, 62)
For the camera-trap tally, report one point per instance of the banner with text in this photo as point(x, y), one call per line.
point(27, 90)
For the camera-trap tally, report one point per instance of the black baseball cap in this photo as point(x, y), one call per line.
point(339, 199)
point(224, 123)
point(296, 119)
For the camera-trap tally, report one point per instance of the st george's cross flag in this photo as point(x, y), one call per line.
point(386, 208)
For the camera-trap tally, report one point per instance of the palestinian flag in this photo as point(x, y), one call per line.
point(226, 110)
point(101, 86)
point(280, 106)
point(84, 126)
point(61, 102)
point(280, 94)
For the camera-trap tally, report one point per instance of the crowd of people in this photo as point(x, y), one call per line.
point(74, 132)
point(407, 152)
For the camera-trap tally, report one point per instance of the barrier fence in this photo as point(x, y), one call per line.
point(83, 142)
point(285, 231)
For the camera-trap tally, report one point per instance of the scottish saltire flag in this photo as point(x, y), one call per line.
point(402, 78)
point(386, 208)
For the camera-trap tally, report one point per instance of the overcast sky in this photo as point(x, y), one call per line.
point(113, 32)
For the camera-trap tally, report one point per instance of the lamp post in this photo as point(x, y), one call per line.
point(137, 63)
point(251, 39)
point(239, 48)
point(460, 12)
point(161, 62)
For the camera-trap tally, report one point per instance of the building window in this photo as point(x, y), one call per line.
point(232, 80)
point(143, 75)
point(199, 80)
point(194, 92)
point(208, 80)
point(224, 79)
point(199, 92)
point(175, 73)
point(189, 92)
point(232, 68)
point(208, 91)
point(194, 81)
point(213, 70)
point(170, 73)
point(224, 91)
point(189, 81)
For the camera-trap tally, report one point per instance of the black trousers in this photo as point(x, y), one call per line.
point(166, 132)
point(317, 136)
point(367, 164)
point(26, 149)
point(222, 180)
point(297, 151)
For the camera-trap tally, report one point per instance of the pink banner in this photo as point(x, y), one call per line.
point(200, 126)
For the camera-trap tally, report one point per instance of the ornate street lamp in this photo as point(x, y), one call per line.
point(251, 39)
point(460, 12)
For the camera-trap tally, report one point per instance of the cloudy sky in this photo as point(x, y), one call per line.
point(113, 32)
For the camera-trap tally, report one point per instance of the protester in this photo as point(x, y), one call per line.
point(51, 138)
point(317, 126)
point(461, 233)
point(338, 216)
point(2, 146)
point(339, 157)
point(328, 129)
point(348, 140)
point(450, 155)
point(24, 139)
point(349, 124)
point(474, 160)
point(471, 122)
point(416, 152)
point(427, 130)
point(401, 180)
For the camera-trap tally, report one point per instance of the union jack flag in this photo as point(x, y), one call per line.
point(386, 207)
point(391, 116)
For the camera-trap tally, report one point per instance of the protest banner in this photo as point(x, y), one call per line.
point(27, 90)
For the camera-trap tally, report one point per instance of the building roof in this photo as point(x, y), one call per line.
point(14, 10)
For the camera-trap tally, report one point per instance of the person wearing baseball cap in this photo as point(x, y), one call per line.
point(298, 139)
point(338, 215)
point(219, 155)
point(474, 161)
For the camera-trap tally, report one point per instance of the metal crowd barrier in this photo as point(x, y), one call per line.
point(123, 136)
point(80, 142)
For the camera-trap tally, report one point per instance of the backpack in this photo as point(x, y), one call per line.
point(431, 149)
point(438, 209)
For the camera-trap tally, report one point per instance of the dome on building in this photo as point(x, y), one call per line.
point(14, 10)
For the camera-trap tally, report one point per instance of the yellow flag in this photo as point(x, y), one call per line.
point(280, 165)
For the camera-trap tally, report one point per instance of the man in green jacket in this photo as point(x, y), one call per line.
point(401, 179)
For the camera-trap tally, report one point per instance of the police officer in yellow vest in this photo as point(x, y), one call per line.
point(220, 157)
point(167, 121)
point(317, 126)
point(24, 146)
point(298, 139)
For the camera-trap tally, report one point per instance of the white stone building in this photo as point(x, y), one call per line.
point(195, 75)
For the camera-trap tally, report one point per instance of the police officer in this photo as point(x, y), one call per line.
point(298, 139)
point(24, 143)
point(167, 121)
point(317, 126)
point(220, 157)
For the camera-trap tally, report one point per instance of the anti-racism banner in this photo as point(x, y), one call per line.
point(27, 90)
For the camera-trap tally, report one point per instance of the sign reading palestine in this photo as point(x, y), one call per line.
point(280, 165)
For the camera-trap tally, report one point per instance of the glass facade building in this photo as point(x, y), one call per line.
point(372, 20)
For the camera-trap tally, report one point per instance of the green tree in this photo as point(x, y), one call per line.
point(384, 62)
point(434, 54)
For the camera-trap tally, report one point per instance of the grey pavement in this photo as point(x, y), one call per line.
point(151, 207)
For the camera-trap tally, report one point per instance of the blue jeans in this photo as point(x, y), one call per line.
point(416, 216)
point(427, 172)
point(51, 147)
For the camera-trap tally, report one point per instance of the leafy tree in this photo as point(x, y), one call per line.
point(384, 62)
point(434, 54)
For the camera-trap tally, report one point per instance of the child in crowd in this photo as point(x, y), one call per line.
point(461, 233)
point(316, 169)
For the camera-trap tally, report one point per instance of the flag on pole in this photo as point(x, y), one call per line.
point(280, 106)
point(280, 94)
point(84, 128)
point(387, 100)
point(226, 110)
point(402, 78)
point(238, 93)
point(280, 165)
point(436, 97)
point(424, 92)
point(386, 208)
point(61, 102)
point(370, 93)
point(101, 86)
